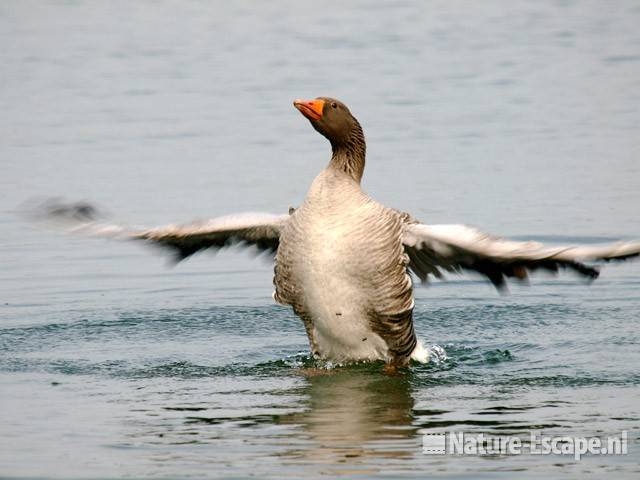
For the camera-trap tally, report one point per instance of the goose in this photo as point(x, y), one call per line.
point(343, 260)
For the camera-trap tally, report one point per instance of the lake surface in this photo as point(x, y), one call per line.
point(520, 117)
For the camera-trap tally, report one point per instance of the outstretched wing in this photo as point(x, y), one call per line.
point(261, 230)
point(434, 248)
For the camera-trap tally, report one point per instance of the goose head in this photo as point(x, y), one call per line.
point(330, 117)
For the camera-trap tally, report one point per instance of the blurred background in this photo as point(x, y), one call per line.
point(522, 118)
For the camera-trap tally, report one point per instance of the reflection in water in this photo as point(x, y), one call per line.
point(355, 416)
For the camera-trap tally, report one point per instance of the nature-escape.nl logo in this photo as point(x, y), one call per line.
point(461, 443)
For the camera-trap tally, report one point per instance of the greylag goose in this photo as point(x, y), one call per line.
point(342, 260)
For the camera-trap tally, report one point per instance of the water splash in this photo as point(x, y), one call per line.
point(437, 355)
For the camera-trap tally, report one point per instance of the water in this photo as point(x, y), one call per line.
point(519, 117)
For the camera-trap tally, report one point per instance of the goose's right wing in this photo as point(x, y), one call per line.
point(261, 230)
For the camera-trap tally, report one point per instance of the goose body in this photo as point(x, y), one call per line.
point(342, 259)
point(341, 264)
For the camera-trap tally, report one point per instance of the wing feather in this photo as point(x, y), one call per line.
point(433, 249)
point(248, 229)
point(261, 230)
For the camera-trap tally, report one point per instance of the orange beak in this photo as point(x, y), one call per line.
point(312, 109)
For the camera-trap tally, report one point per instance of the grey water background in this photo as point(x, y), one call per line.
point(520, 117)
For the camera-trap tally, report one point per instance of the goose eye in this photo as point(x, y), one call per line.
point(334, 105)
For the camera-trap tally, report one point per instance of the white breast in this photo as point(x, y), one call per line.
point(331, 280)
point(334, 245)
point(337, 304)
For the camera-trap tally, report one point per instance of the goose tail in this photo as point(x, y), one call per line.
point(420, 354)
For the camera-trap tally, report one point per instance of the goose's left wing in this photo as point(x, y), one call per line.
point(434, 248)
point(261, 230)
